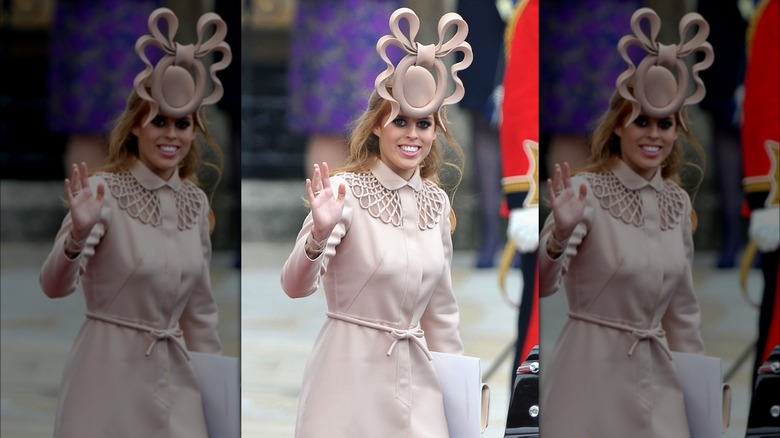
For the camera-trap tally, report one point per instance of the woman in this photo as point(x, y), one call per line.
point(136, 239)
point(378, 236)
point(619, 238)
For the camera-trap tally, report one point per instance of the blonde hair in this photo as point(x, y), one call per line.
point(364, 147)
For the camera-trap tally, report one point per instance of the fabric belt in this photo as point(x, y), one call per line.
point(654, 334)
point(175, 334)
point(414, 334)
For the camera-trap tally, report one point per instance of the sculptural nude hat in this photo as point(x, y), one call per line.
point(415, 90)
point(661, 81)
point(178, 81)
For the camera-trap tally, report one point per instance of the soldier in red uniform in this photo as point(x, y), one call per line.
point(519, 136)
point(761, 158)
point(760, 138)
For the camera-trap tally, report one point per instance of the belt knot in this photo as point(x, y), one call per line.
point(414, 334)
point(654, 334)
point(174, 333)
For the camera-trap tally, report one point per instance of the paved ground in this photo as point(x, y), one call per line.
point(276, 334)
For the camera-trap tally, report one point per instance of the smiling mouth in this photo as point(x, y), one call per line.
point(652, 149)
point(410, 149)
point(168, 150)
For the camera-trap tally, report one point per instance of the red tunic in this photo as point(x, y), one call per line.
point(760, 138)
point(520, 122)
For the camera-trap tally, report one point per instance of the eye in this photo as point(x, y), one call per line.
point(641, 121)
point(158, 121)
point(400, 121)
point(665, 124)
point(424, 124)
point(183, 123)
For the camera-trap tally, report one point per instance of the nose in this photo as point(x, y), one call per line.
point(411, 132)
point(653, 130)
point(170, 130)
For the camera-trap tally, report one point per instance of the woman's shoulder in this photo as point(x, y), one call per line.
point(431, 189)
point(590, 180)
point(191, 190)
point(116, 184)
point(674, 203)
point(672, 188)
point(358, 184)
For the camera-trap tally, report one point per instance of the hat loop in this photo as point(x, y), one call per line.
point(660, 83)
point(174, 90)
point(404, 77)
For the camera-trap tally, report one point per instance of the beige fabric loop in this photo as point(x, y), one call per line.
point(428, 56)
point(186, 56)
point(668, 56)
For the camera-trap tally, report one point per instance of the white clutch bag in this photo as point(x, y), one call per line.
point(466, 398)
point(218, 379)
point(707, 398)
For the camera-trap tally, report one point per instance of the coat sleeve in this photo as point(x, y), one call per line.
point(551, 271)
point(200, 318)
point(682, 319)
point(301, 275)
point(60, 275)
point(441, 319)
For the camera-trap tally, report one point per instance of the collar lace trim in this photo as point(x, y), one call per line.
point(385, 205)
point(144, 205)
point(626, 205)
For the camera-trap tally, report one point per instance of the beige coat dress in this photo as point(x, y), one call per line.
point(145, 276)
point(626, 270)
point(386, 276)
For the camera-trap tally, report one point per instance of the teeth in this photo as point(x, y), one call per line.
point(168, 148)
point(409, 148)
point(651, 148)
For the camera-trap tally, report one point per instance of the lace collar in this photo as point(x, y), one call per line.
point(377, 192)
point(137, 193)
point(618, 193)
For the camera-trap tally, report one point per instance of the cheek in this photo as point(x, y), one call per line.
point(430, 136)
point(668, 151)
point(144, 139)
point(188, 136)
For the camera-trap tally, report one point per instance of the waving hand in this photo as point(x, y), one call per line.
point(326, 209)
point(84, 206)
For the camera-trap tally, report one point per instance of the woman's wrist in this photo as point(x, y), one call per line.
point(559, 235)
point(78, 236)
point(554, 247)
point(313, 246)
point(73, 245)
